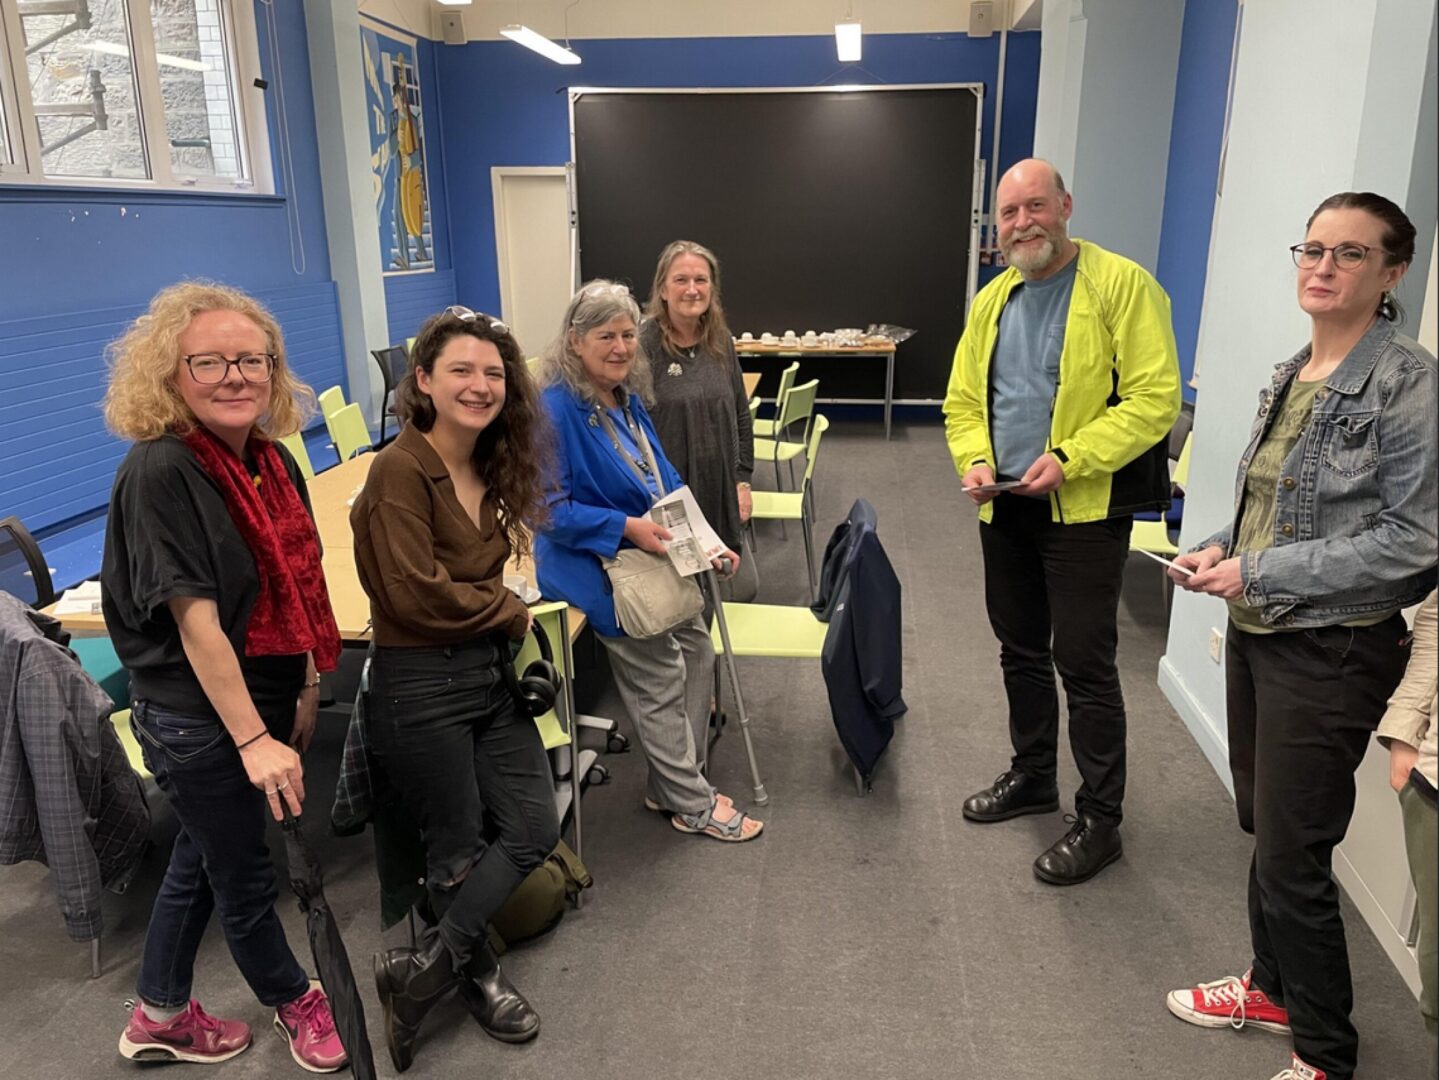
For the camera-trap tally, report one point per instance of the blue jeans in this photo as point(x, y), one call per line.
point(446, 730)
point(220, 861)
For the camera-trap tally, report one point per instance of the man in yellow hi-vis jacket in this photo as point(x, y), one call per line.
point(1064, 388)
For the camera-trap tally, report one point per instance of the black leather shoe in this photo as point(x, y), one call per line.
point(410, 983)
point(498, 1007)
point(1010, 795)
point(1086, 849)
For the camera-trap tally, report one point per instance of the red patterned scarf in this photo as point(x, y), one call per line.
point(292, 614)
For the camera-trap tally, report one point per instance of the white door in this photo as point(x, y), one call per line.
point(532, 240)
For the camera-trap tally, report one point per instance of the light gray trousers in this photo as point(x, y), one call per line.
point(666, 683)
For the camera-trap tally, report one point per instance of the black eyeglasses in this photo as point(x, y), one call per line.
point(464, 314)
point(1347, 256)
point(210, 368)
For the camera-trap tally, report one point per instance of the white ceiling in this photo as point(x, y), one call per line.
point(691, 18)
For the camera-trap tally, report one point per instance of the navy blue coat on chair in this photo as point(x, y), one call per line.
point(863, 656)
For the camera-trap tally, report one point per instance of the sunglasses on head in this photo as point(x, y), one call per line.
point(464, 314)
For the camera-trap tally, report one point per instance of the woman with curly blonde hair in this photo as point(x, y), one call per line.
point(444, 506)
point(216, 604)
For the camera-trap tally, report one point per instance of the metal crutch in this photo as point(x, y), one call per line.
point(761, 797)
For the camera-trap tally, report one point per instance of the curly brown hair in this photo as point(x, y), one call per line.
point(141, 402)
point(513, 454)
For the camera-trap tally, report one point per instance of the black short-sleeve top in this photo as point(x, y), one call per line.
point(170, 535)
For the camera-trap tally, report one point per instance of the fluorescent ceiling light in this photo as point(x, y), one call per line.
point(847, 41)
point(455, 3)
point(550, 50)
point(163, 58)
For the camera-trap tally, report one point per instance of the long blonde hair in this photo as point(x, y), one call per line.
point(714, 330)
point(141, 402)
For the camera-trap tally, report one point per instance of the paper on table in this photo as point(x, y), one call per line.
point(83, 599)
point(693, 542)
point(1167, 562)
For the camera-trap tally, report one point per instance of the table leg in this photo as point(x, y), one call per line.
point(888, 394)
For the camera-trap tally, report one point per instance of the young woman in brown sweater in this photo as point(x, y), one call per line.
point(443, 507)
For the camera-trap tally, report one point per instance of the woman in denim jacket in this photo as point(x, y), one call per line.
point(1333, 534)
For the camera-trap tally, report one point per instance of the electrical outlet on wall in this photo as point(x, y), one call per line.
point(1216, 644)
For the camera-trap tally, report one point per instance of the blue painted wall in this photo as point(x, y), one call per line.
point(411, 298)
point(1195, 135)
point(504, 105)
point(79, 264)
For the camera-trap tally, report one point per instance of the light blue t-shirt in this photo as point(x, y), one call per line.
point(1024, 372)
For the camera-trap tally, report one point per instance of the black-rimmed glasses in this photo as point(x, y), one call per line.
point(464, 314)
point(1347, 256)
point(210, 368)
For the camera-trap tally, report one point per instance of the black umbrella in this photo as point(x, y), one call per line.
point(331, 960)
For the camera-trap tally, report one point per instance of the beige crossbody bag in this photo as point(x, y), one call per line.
point(651, 597)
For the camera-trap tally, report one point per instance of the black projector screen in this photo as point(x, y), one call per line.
point(827, 209)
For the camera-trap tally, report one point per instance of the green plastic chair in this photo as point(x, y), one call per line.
point(767, 428)
point(348, 432)
point(296, 445)
point(771, 630)
point(1153, 536)
point(798, 407)
point(331, 401)
point(795, 505)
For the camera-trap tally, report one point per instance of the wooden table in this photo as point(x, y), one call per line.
point(751, 382)
point(330, 495)
point(885, 349)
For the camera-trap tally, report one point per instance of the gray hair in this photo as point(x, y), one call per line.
point(596, 303)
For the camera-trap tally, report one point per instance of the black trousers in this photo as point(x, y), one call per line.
point(1052, 592)
point(1302, 707)
point(446, 729)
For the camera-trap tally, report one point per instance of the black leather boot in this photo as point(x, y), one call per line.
point(1012, 793)
point(1088, 847)
point(410, 983)
point(498, 1007)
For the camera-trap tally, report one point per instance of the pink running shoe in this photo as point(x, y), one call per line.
point(1229, 1002)
point(193, 1035)
point(309, 1027)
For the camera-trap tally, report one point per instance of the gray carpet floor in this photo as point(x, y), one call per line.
point(882, 937)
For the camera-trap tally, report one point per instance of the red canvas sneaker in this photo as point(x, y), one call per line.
point(1229, 1002)
point(1299, 1071)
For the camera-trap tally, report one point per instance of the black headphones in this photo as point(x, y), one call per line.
point(536, 691)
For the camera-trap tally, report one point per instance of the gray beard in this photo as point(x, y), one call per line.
point(1028, 261)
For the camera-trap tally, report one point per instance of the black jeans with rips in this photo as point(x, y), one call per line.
point(445, 727)
point(1302, 706)
point(1052, 592)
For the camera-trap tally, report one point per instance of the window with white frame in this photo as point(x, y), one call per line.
point(131, 93)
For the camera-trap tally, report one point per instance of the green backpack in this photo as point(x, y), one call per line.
point(538, 903)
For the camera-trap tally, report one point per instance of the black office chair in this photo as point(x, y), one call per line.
point(23, 571)
point(394, 362)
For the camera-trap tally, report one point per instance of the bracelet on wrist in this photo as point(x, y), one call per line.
point(251, 739)
point(311, 685)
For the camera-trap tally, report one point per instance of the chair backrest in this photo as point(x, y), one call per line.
point(331, 401)
point(1179, 433)
point(753, 407)
point(798, 405)
point(1181, 467)
point(786, 380)
point(409, 345)
point(296, 445)
point(348, 431)
point(23, 571)
point(553, 732)
point(818, 428)
point(393, 362)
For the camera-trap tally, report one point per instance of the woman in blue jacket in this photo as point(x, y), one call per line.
point(595, 391)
